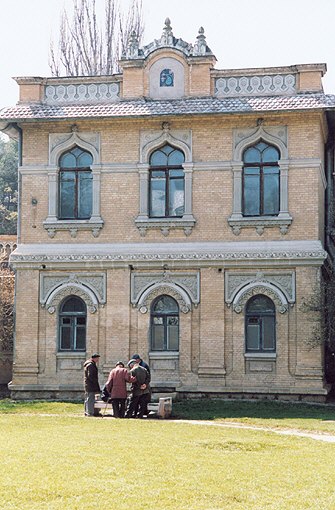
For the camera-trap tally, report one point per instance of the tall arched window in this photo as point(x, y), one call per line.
point(261, 180)
point(260, 330)
point(164, 324)
point(75, 185)
point(72, 324)
point(166, 183)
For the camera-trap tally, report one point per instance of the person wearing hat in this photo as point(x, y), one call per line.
point(91, 383)
point(142, 363)
point(140, 391)
point(117, 387)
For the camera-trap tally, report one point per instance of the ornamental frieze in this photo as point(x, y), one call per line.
point(95, 283)
point(285, 282)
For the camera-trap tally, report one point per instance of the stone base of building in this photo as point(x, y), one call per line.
point(32, 392)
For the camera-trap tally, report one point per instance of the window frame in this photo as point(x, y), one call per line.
point(260, 317)
point(261, 166)
point(165, 316)
point(73, 316)
point(167, 179)
point(78, 171)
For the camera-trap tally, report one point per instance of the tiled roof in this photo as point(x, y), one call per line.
point(147, 108)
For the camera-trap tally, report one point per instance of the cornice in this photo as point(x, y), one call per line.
point(182, 254)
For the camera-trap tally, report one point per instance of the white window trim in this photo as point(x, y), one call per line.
point(156, 140)
point(283, 220)
point(58, 144)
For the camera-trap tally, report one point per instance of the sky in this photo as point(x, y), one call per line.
point(240, 33)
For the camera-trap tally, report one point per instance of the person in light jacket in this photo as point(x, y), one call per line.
point(117, 387)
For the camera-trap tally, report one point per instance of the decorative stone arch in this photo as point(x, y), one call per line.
point(149, 142)
point(277, 137)
point(58, 144)
point(264, 288)
point(169, 289)
point(57, 295)
point(261, 134)
point(65, 142)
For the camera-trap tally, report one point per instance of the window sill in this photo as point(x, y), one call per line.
point(143, 223)
point(263, 356)
point(237, 222)
point(164, 355)
point(71, 354)
point(52, 226)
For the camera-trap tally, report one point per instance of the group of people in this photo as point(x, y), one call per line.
point(137, 373)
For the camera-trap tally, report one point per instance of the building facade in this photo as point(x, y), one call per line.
point(174, 210)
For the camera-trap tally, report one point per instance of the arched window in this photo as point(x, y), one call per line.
point(261, 180)
point(166, 183)
point(75, 185)
point(260, 327)
point(164, 324)
point(72, 324)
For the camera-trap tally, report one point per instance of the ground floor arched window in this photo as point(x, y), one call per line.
point(164, 324)
point(260, 324)
point(72, 324)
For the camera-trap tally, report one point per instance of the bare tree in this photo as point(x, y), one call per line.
point(90, 47)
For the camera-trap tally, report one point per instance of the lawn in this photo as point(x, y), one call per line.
point(54, 458)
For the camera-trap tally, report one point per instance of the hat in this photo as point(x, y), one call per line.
point(95, 355)
point(131, 362)
point(136, 356)
point(119, 363)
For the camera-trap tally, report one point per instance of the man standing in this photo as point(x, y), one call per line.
point(91, 383)
point(140, 394)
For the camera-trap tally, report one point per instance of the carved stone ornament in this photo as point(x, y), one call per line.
point(276, 135)
point(60, 142)
point(179, 138)
point(280, 284)
point(159, 289)
point(77, 93)
point(56, 297)
point(187, 286)
point(90, 287)
point(257, 85)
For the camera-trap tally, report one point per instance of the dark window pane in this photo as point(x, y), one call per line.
point(251, 195)
point(73, 304)
point(65, 341)
point(270, 155)
point(176, 173)
point(173, 340)
point(271, 194)
point(252, 155)
point(260, 304)
point(253, 335)
point(85, 195)
point(166, 304)
point(157, 338)
point(176, 197)
point(157, 206)
point(67, 194)
point(268, 333)
point(80, 338)
point(158, 173)
point(66, 321)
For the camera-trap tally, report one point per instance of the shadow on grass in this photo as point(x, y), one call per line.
point(207, 409)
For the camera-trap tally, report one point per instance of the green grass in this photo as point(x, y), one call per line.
point(52, 458)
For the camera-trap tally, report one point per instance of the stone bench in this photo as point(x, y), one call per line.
point(162, 408)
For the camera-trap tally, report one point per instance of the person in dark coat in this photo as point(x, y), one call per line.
point(140, 391)
point(117, 387)
point(146, 366)
point(91, 383)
